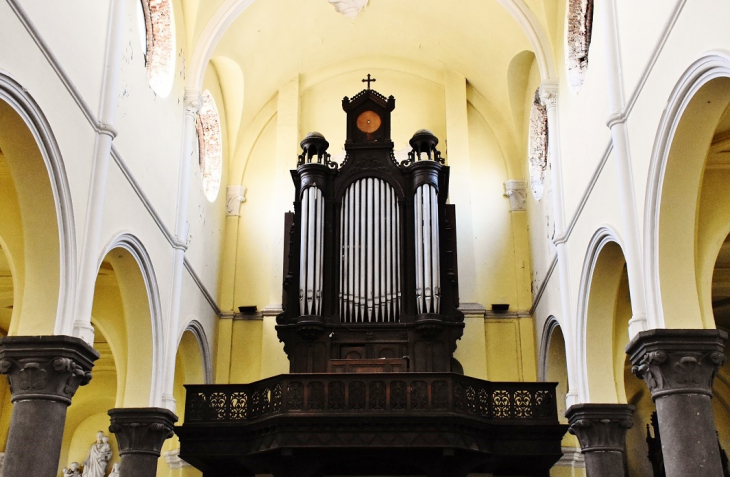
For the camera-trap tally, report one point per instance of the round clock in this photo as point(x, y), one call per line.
point(368, 122)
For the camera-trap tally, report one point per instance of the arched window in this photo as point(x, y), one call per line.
point(210, 146)
point(159, 46)
point(580, 25)
point(537, 146)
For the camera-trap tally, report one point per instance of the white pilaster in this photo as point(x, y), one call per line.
point(193, 101)
point(89, 252)
point(622, 156)
point(287, 149)
point(457, 151)
point(549, 97)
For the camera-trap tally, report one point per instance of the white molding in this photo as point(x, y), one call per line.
point(209, 38)
point(198, 330)
point(517, 192)
point(235, 196)
point(543, 285)
point(348, 8)
point(532, 28)
point(55, 64)
point(23, 103)
point(473, 309)
point(547, 332)
point(572, 457)
point(135, 247)
point(588, 191)
point(174, 461)
point(668, 27)
point(208, 296)
point(712, 65)
point(603, 236)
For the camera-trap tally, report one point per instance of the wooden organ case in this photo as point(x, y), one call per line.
point(370, 325)
point(371, 282)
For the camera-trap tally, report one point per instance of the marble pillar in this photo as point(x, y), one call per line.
point(44, 373)
point(679, 366)
point(601, 431)
point(140, 434)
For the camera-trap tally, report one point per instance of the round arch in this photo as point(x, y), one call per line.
point(685, 133)
point(137, 281)
point(198, 331)
point(44, 194)
point(602, 302)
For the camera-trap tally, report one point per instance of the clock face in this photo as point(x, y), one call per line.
point(368, 122)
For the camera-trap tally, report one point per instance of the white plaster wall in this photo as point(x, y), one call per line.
point(76, 32)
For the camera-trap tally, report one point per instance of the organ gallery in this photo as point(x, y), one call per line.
point(370, 325)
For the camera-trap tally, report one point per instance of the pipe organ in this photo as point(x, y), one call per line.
point(370, 324)
point(370, 253)
point(370, 265)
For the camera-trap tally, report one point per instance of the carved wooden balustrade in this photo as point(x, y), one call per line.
point(435, 424)
point(392, 393)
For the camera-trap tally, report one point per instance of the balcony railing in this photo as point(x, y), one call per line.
point(388, 394)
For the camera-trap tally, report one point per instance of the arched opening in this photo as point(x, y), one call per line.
point(189, 369)
point(122, 316)
point(31, 281)
point(29, 235)
point(692, 216)
point(605, 312)
point(556, 371)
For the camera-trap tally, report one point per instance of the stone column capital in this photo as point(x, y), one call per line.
point(600, 427)
point(142, 430)
point(674, 361)
point(49, 368)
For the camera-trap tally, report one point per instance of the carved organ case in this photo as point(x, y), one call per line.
point(370, 265)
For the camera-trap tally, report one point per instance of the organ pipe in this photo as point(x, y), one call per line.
point(369, 268)
point(428, 274)
point(311, 252)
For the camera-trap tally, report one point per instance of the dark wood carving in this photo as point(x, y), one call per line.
point(425, 341)
point(370, 324)
point(387, 419)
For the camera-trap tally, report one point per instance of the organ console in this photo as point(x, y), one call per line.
point(370, 257)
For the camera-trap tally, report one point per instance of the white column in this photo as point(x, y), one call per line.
point(193, 102)
point(549, 97)
point(88, 266)
point(622, 157)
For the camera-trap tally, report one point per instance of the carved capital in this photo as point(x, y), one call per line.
point(47, 368)
point(677, 361)
point(517, 193)
point(549, 95)
point(142, 430)
point(235, 196)
point(193, 101)
point(600, 427)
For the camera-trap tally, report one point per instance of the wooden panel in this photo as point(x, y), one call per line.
point(339, 366)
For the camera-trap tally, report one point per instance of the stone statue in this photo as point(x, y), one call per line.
point(115, 470)
point(72, 470)
point(99, 455)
